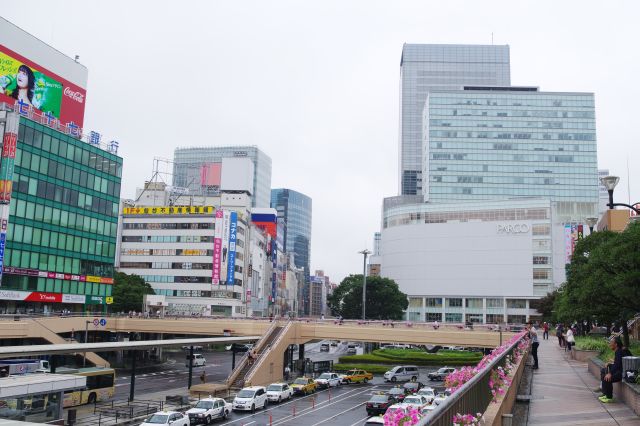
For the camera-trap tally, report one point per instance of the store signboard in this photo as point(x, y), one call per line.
point(233, 225)
point(166, 210)
point(217, 248)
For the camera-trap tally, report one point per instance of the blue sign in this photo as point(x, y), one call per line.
point(231, 265)
point(103, 322)
point(3, 238)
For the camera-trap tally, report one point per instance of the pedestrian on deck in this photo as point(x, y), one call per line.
point(202, 378)
point(612, 372)
point(571, 341)
point(559, 334)
point(533, 335)
point(545, 333)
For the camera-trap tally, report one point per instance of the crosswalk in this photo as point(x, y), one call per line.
point(166, 373)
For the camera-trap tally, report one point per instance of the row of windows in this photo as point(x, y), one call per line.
point(52, 192)
point(92, 158)
point(506, 135)
point(166, 265)
point(541, 274)
point(513, 169)
point(45, 214)
point(474, 156)
point(518, 180)
point(183, 279)
point(545, 113)
point(61, 241)
point(469, 302)
point(465, 216)
point(513, 124)
point(205, 225)
point(512, 100)
point(167, 239)
point(66, 173)
point(199, 293)
point(49, 285)
point(525, 146)
point(56, 263)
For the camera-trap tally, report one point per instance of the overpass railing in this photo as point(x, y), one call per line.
point(256, 366)
point(475, 395)
point(245, 358)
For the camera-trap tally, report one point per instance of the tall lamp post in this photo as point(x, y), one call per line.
point(610, 183)
point(365, 253)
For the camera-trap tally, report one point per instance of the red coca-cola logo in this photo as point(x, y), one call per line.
point(75, 95)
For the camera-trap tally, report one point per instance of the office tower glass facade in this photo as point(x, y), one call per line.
point(61, 236)
point(189, 164)
point(518, 142)
point(294, 208)
point(426, 67)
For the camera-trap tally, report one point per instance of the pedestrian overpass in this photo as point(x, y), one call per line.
point(277, 336)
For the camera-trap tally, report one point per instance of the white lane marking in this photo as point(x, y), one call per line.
point(358, 405)
point(323, 404)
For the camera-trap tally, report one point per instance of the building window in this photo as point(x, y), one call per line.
point(454, 303)
point(415, 302)
point(541, 274)
point(516, 304)
point(449, 317)
point(474, 318)
point(516, 319)
point(495, 303)
point(495, 318)
point(540, 260)
point(434, 316)
point(434, 302)
point(541, 229)
point(473, 303)
point(414, 316)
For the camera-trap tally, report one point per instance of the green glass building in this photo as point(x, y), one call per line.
point(61, 232)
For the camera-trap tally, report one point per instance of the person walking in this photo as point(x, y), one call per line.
point(533, 335)
point(571, 341)
point(545, 333)
point(559, 332)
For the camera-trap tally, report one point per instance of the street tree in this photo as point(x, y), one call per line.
point(384, 299)
point(128, 292)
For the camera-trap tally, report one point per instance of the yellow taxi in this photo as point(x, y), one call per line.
point(303, 386)
point(356, 376)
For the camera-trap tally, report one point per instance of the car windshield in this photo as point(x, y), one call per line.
point(207, 405)
point(426, 392)
point(396, 391)
point(325, 376)
point(301, 382)
point(246, 393)
point(158, 419)
point(274, 388)
point(412, 400)
point(443, 370)
point(378, 398)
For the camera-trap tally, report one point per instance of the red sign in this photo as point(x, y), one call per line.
point(37, 296)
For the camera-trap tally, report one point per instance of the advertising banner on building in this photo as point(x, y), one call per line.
point(573, 232)
point(225, 244)
point(233, 225)
point(9, 143)
point(168, 210)
point(25, 82)
point(217, 248)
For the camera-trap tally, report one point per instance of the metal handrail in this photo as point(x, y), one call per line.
point(472, 397)
point(264, 354)
point(234, 374)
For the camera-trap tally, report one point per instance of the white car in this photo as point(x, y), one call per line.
point(414, 401)
point(328, 380)
point(375, 420)
point(172, 418)
point(429, 393)
point(250, 399)
point(427, 409)
point(208, 409)
point(278, 392)
point(439, 398)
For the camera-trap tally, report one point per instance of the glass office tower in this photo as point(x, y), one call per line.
point(425, 67)
point(188, 164)
point(294, 209)
point(484, 144)
point(63, 217)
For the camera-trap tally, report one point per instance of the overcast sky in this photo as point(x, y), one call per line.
point(314, 84)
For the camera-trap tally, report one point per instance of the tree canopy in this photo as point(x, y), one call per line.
point(128, 292)
point(384, 299)
point(603, 279)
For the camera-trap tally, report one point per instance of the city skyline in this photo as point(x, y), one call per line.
point(323, 106)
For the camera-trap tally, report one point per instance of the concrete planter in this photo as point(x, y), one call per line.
point(583, 355)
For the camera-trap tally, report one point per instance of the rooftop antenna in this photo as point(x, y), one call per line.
point(492, 39)
point(628, 181)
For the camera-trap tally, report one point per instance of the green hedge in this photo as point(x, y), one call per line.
point(591, 344)
point(413, 357)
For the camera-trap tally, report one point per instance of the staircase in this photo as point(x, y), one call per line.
point(633, 322)
point(237, 378)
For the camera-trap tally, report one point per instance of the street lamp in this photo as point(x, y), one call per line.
point(610, 183)
point(591, 222)
point(365, 253)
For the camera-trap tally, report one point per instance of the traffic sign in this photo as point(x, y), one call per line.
point(96, 322)
point(103, 322)
point(109, 300)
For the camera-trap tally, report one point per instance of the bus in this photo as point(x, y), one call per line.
point(100, 385)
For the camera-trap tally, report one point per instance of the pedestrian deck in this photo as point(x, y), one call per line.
point(562, 393)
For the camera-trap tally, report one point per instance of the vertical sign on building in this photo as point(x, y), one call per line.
point(568, 243)
point(9, 122)
point(274, 277)
point(217, 248)
point(233, 224)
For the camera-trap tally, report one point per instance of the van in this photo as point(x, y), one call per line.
point(198, 360)
point(324, 347)
point(402, 373)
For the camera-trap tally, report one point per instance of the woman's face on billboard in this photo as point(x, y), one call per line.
point(23, 79)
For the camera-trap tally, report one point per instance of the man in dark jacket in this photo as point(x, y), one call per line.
point(614, 371)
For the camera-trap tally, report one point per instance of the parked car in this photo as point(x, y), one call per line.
point(375, 420)
point(328, 380)
point(441, 397)
point(351, 349)
point(303, 386)
point(412, 387)
point(208, 409)
point(239, 347)
point(198, 360)
point(429, 393)
point(378, 404)
point(441, 374)
point(402, 373)
point(195, 348)
point(324, 347)
point(334, 343)
point(357, 376)
point(415, 401)
point(251, 398)
point(278, 392)
point(172, 418)
point(397, 393)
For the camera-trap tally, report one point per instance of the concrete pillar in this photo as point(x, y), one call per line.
point(301, 355)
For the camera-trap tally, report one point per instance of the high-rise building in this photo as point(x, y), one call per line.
point(294, 210)
point(426, 67)
point(200, 170)
point(492, 143)
point(603, 195)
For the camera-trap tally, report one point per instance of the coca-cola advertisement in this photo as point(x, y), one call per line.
point(27, 83)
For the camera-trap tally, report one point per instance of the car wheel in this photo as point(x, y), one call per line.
point(208, 419)
point(225, 413)
point(92, 398)
point(266, 402)
point(393, 379)
point(253, 408)
point(279, 399)
point(348, 381)
point(365, 380)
